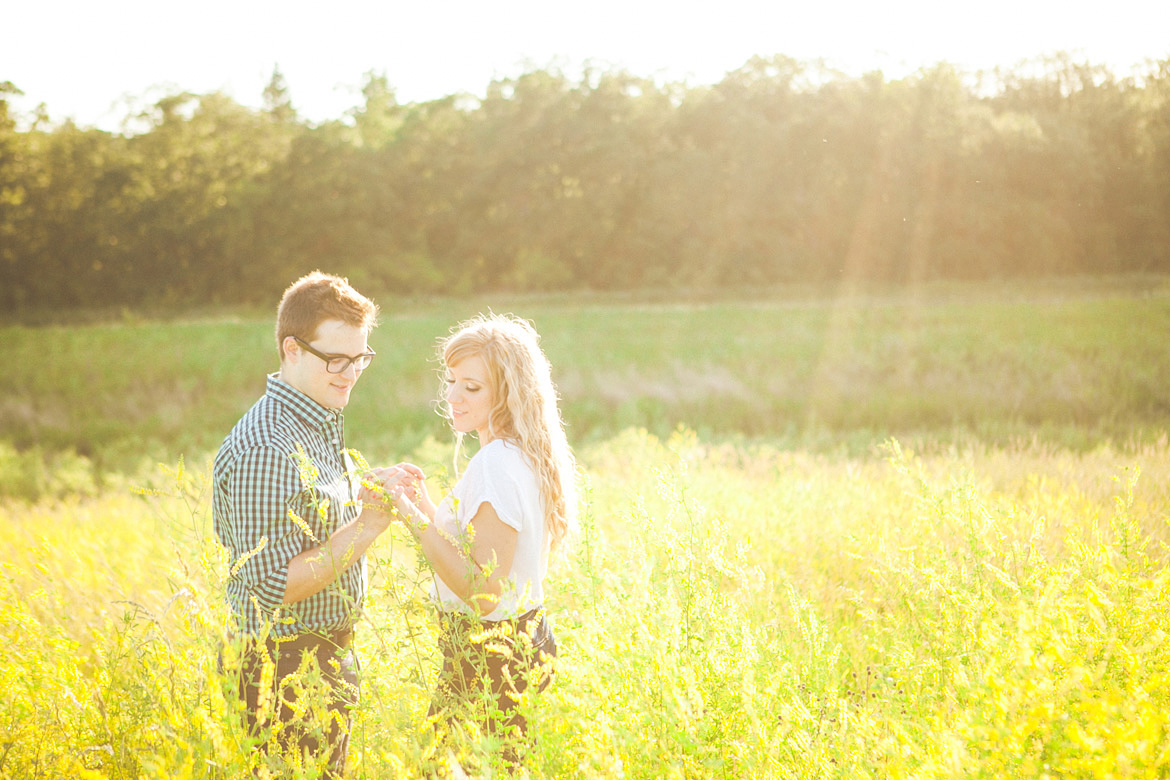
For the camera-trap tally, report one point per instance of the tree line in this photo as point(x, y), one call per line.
point(783, 171)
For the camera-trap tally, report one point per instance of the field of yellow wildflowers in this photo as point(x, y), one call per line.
point(825, 601)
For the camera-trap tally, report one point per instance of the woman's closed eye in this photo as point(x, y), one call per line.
point(469, 387)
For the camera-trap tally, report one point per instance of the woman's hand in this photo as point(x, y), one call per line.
point(406, 486)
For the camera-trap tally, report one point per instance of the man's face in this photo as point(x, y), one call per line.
point(306, 371)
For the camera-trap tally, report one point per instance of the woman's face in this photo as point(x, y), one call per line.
point(469, 397)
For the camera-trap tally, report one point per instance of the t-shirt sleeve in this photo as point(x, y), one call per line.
point(494, 480)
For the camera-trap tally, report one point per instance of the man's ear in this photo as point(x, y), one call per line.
point(289, 350)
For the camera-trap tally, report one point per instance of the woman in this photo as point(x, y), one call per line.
point(489, 541)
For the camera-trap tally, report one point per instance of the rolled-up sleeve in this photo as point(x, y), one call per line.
point(263, 484)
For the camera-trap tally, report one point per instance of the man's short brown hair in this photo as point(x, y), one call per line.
point(317, 297)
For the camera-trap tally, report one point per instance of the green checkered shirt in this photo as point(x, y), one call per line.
point(282, 485)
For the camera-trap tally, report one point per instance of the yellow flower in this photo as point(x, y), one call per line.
point(301, 524)
point(239, 564)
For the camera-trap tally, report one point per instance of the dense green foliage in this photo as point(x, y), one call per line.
point(780, 172)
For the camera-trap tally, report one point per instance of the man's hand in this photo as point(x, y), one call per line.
point(373, 493)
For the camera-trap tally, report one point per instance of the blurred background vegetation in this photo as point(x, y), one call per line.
point(784, 171)
point(1072, 363)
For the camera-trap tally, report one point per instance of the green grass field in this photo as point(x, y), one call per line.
point(1072, 363)
point(900, 535)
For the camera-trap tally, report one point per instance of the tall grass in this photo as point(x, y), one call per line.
point(729, 611)
point(899, 535)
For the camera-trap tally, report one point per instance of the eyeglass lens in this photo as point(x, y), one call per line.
point(338, 365)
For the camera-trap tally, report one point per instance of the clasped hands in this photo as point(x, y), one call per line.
point(400, 490)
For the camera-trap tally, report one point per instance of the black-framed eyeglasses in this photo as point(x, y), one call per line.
point(337, 364)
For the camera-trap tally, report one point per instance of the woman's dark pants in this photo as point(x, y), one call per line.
point(500, 657)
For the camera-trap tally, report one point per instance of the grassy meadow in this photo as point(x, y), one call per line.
point(916, 534)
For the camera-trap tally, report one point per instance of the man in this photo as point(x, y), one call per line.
point(285, 507)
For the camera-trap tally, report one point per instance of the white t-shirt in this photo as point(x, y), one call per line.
point(499, 474)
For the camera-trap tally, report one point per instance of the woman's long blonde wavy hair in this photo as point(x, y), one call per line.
point(524, 408)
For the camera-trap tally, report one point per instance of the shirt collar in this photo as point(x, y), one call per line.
point(303, 406)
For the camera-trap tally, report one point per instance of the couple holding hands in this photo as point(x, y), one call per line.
point(297, 519)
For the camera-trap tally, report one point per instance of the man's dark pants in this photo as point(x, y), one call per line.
point(335, 656)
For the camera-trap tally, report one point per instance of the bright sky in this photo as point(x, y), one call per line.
point(92, 60)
